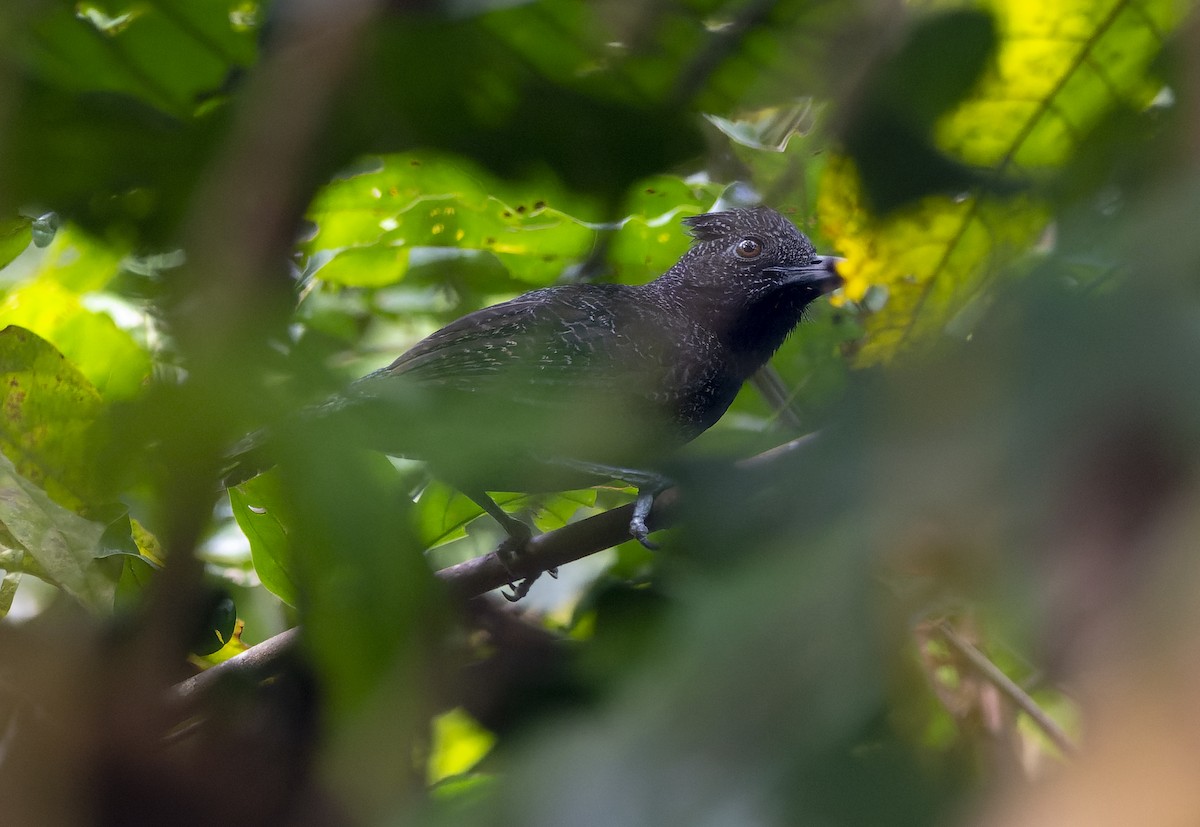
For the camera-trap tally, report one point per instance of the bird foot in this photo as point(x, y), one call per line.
point(519, 590)
point(637, 523)
point(509, 553)
point(640, 532)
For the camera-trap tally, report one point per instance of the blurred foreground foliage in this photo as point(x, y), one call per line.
point(213, 212)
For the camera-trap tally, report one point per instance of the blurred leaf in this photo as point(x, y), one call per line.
point(48, 415)
point(233, 646)
point(651, 239)
point(169, 53)
point(216, 626)
point(15, 236)
point(889, 134)
point(61, 544)
point(497, 76)
point(555, 511)
point(373, 226)
point(265, 515)
point(771, 128)
point(374, 266)
point(78, 262)
point(108, 118)
point(137, 575)
point(110, 359)
point(459, 743)
point(929, 258)
point(1058, 71)
point(371, 220)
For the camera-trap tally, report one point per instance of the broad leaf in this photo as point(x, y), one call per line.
point(48, 415)
point(266, 516)
point(62, 546)
point(1060, 68)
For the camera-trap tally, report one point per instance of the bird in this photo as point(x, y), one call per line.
point(580, 384)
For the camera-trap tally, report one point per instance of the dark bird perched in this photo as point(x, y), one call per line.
point(580, 384)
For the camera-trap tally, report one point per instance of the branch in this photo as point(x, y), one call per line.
point(475, 577)
point(483, 574)
point(1019, 697)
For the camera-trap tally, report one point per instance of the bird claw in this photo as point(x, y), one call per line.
point(519, 590)
point(509, 554)
point(640, 532)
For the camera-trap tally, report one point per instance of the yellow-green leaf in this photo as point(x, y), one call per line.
point(48, 412)
point(104, 353)
point(1060, 67)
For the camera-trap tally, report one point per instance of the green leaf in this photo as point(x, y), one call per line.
point(555, 511)
point(169, 53)
point(15, 235)
point(1060, 68)
point(441, 514)
point(12, 560)
point(1058, 71)
point(112, 107)
point(929, 259)
point(264, 514)
point(458, 744)
point(48, 416)
point(371, 220)
point(109, 357)
point(63, 545)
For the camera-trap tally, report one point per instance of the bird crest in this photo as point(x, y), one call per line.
point(710, 226)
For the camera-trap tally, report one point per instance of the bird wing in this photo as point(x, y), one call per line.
point(567, 337)
point(572, 371)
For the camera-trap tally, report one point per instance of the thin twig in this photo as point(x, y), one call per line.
point(993, 675)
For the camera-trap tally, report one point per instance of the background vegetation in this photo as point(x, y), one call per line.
point(971, 599)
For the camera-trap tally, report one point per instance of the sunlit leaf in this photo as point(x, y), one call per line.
point(556, 511)
point(442, 513)
point(105, 354)
point(410, 200)
point(78, 262)
point(15, 235)
point(48, 413)
point(1060, 68)
point(459, 743)
point(927, 260)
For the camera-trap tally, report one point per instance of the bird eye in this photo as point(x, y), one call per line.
point(749, 248)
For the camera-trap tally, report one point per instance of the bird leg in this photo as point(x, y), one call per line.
point(649, 485)
point(641, 510)
point(510, 549)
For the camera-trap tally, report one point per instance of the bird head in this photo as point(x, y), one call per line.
point(756, 252)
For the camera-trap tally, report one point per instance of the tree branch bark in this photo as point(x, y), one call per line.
point(483, 574)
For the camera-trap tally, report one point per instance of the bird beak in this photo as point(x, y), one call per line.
point(821, 274)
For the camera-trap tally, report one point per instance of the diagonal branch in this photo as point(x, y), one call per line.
point(1008, 687)
point(483, 574)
